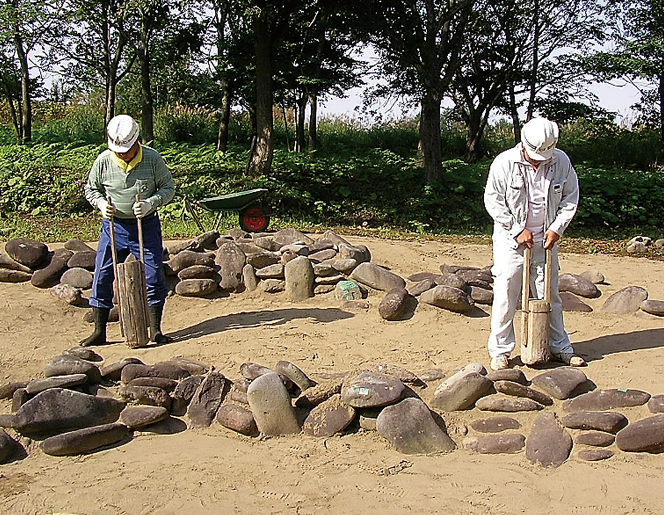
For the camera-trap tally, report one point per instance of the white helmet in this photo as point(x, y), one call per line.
point(122, 133)
point(539, 137)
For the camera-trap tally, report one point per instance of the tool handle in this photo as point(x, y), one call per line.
point(525, 288)
point(548, 267)
point(140, 235)
point(114, 253)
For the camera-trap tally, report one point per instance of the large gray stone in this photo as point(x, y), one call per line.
point(654, 307)
point(78, 278)
point(461, 394)
point(411, 429)
point(560, 382)
point(290, 235)
point(238, 419)
point(135, 417)
point(645, 435)
point(453, 280)
point(275, 271)
point(548, 444)
point(394, 304)
point(607, 421)
point(594, 276)
point(347, 290)
point(271, 405)
point(460, 374)
point(295, 374)
point(147, 395)
point(196, 287)
point(158, 382)
point(494, 424)
point(262, 259)
point(67, 364)
point(481, 295)
point(28, 252)
point(198, 272)
point(572, 303)
point(50, 274)
point(377, 277)
point(448, 297)
point(330, 417)
point(9, 264)
point(83, 259)
point(371, 389)
point(601, 400)
point(56, 410)
point(625, 301)
point(506, 443)
point(231, 260)
point(578, 285)
point(85, 440)
point(519, 390)
point(113, 372)
point(188, 258)
point(207, 399)
point(7, 446)
point(77, 245)
point(500, 402)
point(299, 279)
point(7, 390)
point(249, 277)
point(656, 404)
point(508, 374)
point(595, 439)
point(165, 369)
point(345, 266)
point(39, 385)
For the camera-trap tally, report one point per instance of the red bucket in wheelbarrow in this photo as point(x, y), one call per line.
point(253, 216)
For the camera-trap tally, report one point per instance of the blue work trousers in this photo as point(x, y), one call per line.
point(126, 241)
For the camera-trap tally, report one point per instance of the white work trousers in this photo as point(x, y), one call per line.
point(508, 276)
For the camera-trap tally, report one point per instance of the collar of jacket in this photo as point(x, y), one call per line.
point(128, 167)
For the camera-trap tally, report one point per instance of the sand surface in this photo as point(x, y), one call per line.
point(214, 471)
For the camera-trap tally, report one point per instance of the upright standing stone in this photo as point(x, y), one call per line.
point(206, 401)
point(299, 276)
point(271, 405)
point(231, 261)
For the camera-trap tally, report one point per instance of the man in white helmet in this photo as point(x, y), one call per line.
point(532, 194)
point(120, 173)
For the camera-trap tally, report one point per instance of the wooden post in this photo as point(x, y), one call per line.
point(535, 346)
point(133, 303)
point(525, 298)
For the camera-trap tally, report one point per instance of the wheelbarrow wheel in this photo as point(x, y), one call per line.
point(253, 219)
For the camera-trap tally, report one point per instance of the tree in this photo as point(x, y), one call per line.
point(638, 36)
point(419, 43)
point(25, 24)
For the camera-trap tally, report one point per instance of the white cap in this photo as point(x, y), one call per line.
point(122, 133)
point(539, 138)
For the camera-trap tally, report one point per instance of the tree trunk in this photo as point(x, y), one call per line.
point(261, 158)
point(225, 118)
point(661, 112)
point(535, 64)
point(514, 113)
point(300, 136)
point(430, 137)
point(147, 117)
point(26, 103)
point(12, 107)
point(313, 122)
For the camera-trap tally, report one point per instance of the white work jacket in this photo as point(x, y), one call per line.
point(506, 194)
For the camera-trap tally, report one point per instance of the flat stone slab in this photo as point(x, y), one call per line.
point(371, 389)
point(7, 446)
point(56, 410)
point(39, 385)
point(160, 382)
point(7, 390)
point(404, 375)
point(656, 404)
point(654, 307)
point(572, 303)
point(321, 392)
point(508, 374)
point(519, 390)
point(377, 277)
point(294, 374)
point(206, 400)
point(507, 403)
point(608, 421)
point(548, 444)
point(411, 429)
point(238, 419)
point(135, 417)
point(85, 440)
point(461, 394)
point(330, 417)
point(113, 372)
point(602, 400)
point(645, 435)
point(494, 424)
point(507, 443)
point(578, 285)
point(560, 382)
point(595, 439)
point(66, 364)
point(196, 287)
point(167, 370)
point(448, 297)
point(271, 405)
point(625, 301)
point(85, 353)
point(183, 393)
point(594, 454)
point(148, 395)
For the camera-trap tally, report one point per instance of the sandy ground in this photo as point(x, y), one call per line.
point(214, 471)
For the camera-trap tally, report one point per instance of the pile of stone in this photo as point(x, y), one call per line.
point(640, 245)
point(290, 261)
point(81, 406)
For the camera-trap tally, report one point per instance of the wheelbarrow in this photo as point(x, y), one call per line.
point(252, 215)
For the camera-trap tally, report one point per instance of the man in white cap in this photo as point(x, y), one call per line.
point(532, 194)
point(122, 172)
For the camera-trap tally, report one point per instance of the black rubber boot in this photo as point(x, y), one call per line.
point(98, 337)
point(155, 313)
